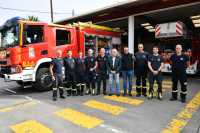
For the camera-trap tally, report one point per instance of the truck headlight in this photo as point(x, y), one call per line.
point(16, 69)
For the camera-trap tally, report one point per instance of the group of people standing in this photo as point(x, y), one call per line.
point(84, 73)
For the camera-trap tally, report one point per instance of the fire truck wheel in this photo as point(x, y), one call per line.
point(43, 80)
point(19, 83)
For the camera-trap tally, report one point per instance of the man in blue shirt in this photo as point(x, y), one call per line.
point(180, 62)
point(90, 64)
point(70, 73)
point(57, 75)
point(141, 69)
point(101, 71)
point(155, 64)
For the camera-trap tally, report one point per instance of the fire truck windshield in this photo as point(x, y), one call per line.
point(9, 36)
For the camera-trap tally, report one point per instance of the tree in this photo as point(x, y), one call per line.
point(32, 18)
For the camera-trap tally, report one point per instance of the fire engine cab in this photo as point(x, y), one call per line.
point(27, 47)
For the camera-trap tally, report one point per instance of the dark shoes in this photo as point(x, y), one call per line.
point(145, 95)
point(118, 95)
point(62, 97)
point(54, 98)
point(173, 99)
point(183, 100)
point(138, 95)
point(110, 94)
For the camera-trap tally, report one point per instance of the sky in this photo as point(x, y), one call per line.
point(64, 7)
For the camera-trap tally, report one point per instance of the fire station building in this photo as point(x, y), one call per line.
point(151, 22)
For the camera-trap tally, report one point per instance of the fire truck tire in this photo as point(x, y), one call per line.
point(22, 84)
point(19, 83)
point(43, 80)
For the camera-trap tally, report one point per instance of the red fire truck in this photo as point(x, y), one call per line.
point(27, 47)
point(170, 34)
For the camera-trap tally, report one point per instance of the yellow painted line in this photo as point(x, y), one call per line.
point(18, 105)
point(126, 100)
point(108, 108)
point(30, 126)
point(79, 118)
point(183, 117)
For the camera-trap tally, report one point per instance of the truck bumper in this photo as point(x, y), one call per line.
point(25, 76)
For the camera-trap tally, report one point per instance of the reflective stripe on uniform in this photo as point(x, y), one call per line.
point(78, 84)
point(138, 86)
point(54, 89)
point(175, 91)
point(185, 83)
point(183, 92)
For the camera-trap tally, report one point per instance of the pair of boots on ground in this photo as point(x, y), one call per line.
point(92, 92)
point(76, 90)
point(79, 91)
point(143, 91)
point(175, 97)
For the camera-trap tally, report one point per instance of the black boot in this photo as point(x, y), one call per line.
point(54, 95)
point(104, 92)
point(69, 93)
point(144, 91)
point(125, 92)
point(62, 96)
point(82, 89)
point(98, 92)
point(138, 90)
point(61, 91)
point(174, 96)
point(183, 97)
point(129, 93)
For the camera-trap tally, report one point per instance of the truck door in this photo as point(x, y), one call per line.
point(66, 40)
point(34, 44)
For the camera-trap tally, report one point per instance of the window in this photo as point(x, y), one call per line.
point(33, 34)
point(62, 37)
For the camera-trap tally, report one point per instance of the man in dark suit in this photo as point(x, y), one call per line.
point(114, 66)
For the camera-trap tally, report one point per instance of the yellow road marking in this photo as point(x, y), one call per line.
point(182, 118)
point(79, 118)
point(126, 100)
point(30, 126)
point(108, 108)
point(18, 105)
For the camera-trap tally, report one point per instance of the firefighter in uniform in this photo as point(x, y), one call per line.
point(70, 73)
point(80, 73)
point(57, 75)
point(179, 62)
point(90, 64)
point(101, 71)
point(141, 64)
point(155, 64)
